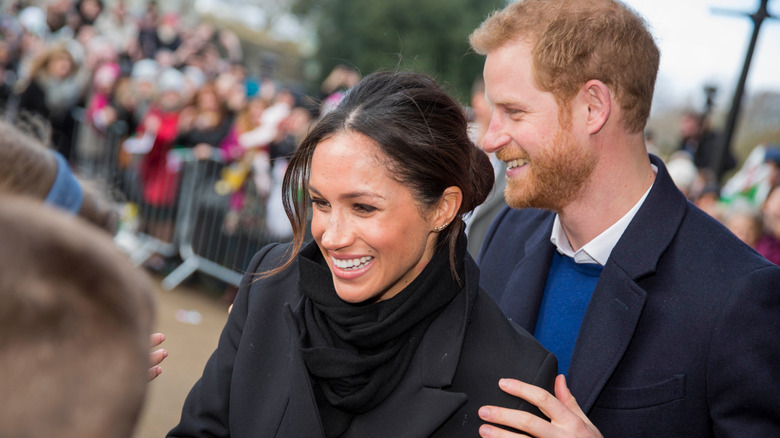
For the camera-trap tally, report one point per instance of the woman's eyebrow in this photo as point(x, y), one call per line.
point(351, 195)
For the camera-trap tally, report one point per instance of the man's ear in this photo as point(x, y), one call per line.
point(448, 206)
point(599, 104)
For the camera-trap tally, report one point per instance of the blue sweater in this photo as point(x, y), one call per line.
point(566, 296)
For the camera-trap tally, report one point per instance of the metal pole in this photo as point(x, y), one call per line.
point(724, 143)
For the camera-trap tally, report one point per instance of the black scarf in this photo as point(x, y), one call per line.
point(357, 354)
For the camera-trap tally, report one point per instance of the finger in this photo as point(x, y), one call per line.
point(516, 419)
point(157, 356)
point(488, 431)
point(153, 373)
point(156, 339)
point(546, 402)
point(563, 394)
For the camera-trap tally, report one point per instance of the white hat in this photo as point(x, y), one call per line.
point(170, 79)
point(194, 76)
point(33, 19)
point(144, 70)
point(683, 172)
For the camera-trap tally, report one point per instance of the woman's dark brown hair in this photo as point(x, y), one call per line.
point(422, 133)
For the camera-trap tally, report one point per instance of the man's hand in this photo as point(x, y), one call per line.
point(156, 356)
point(566, 417)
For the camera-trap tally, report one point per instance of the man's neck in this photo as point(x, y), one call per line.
point(614, 188)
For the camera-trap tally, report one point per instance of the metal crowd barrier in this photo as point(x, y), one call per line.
point(213, 235)
point(189, 213)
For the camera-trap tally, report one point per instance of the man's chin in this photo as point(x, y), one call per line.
point(521, 198)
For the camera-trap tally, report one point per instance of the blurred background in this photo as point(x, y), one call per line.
point(183, 114)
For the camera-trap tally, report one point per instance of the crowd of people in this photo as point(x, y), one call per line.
point(744, 200)
point(163, 83)
point(568, 323)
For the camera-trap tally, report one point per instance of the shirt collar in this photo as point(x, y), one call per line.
point(597, 250)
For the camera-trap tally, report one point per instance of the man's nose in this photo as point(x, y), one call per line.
point(496, 136)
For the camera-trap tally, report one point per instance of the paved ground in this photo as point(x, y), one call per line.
point(189, 346)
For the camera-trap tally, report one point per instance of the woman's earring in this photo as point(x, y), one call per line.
point(440, 227)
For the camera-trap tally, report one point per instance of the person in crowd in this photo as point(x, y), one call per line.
point(248, 191)
point(478, 223)
point(32, 35)
point(168, 32)
point(147, 31)
point(247, 119)
point(54, 85)
point(745, 222)
point(769, 243)
point(87, 13)
point(60, 17)
point(8, 70)
point(380, 318)
point(650, 145)
point(702, 143)
point(134, 94)
point(684, 174)
point(289, 136)
point(99, 110)
point(154, 139)
point(663, 322)
point(772, 159)
point(335, 85)
point(231, 89)
point(120, 29)
point(204, 124)
point(72, 304)
point(709, 201)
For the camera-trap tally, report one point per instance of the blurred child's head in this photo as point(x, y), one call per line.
point(72, 303)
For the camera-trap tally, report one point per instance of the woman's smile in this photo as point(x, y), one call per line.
point(369, 227)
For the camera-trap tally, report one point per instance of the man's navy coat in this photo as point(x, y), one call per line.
point(682, 334)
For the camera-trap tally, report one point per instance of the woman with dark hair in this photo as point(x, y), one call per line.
point(378, 327)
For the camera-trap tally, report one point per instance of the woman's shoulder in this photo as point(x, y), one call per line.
point(491, 333)
point(495, 348)
point(491, 329)
point(282, 285)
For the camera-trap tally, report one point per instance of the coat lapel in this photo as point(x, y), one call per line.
point(617, 302)
point(301, 416)
point(525, 287)
point(606, 331)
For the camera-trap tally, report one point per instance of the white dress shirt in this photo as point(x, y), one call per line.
point(597, 250)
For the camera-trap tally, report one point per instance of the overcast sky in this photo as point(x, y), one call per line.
point(699, 46)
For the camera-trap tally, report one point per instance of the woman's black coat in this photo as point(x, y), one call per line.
point(256, 384)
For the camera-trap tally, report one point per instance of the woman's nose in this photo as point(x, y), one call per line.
point(336, 232)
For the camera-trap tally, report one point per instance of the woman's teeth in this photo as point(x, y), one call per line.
point(351, 263)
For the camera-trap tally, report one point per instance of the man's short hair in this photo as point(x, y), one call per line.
point(75, 321)
point(574, 41)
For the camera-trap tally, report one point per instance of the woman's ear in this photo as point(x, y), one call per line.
point(448, 206)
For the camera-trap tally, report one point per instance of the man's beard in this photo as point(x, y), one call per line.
point(555, 175)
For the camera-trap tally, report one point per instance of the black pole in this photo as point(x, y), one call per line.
point(724, 144)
